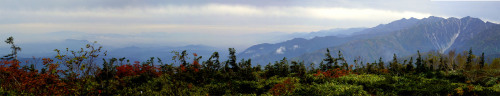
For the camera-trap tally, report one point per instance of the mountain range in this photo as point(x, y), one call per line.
point(401, 37)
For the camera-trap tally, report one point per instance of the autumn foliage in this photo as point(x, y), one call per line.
point(31, 81)
point(137, 69)
point(284, 88)
point(333, 73)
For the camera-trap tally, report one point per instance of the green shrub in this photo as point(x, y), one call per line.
point(332, 89)
point(218, 89)
point(364, 79)
point(247, 87)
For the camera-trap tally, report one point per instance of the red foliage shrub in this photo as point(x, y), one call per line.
point(196, 66)
point(384, 71)
point(334, 73)
point(22, 80)
point(137, 69)
point(284, 88)
point(183, 68)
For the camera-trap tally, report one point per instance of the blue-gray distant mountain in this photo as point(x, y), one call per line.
point(47, 49)
point(402, 37)
point(144, 53)
point(265, 53)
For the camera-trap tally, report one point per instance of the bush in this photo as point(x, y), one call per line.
point(333, 89)
point(218, 89)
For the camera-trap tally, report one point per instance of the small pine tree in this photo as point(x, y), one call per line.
point(369, 67)
point(284, 68)
point(329, 59)
point(380, 63)
point(394, 64)
point(420, 66)
point(322, 66)
point(430, 64)
point(481, 62)
point(344, 62)
point(312, 68)
point(14, 48)
point(295, 67)
point(442, 66)
point(409, 66)
point(269, 70)
point(232, 60)
point(468, 63)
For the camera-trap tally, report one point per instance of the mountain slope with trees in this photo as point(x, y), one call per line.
point(400, 37)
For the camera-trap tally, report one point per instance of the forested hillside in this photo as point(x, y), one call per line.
point(75, 72)
point(402, 37)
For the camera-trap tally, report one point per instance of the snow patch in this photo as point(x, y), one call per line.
point(451, 42)
point(280, 50)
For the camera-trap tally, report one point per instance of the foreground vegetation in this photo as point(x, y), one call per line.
point(76, 73)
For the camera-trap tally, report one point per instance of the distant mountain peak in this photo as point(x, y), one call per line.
point(75, 40)
point(297, 40)
point(435, 17)
point(468, 18)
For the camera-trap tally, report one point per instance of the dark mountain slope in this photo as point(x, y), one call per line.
point(433, 33)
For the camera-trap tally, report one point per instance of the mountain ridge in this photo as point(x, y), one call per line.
point(404, 37)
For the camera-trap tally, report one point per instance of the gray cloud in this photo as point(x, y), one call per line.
point(226, 23)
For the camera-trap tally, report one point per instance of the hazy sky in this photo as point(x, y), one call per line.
point(219, 23)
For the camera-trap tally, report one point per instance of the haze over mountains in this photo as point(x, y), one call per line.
point(143, 52)
point(402, 37)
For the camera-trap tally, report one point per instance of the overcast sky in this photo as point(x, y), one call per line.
point(220, 23)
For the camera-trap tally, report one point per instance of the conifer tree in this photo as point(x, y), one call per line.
point(369, 68)
point(285, 67)
point(468, 63)
point(295, 67)
point(330, 60)
point(269, 70)
point(409, 66)
point(481, 62)
point(312, 68)
point(344, 62)
point(213, 63)
point(394, 64)
point(14, 47)
point(380, 63)
point(322, 66)
point(302, 69)
point(232, 60)
point(420, 67)
point(257, 68)
point(442, 66)
point(430, 65)
point(356, 64)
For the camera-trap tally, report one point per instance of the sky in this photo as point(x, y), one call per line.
point(218, 23)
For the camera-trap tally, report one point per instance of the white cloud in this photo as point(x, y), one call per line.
point(209, 17)
point(281, 50)
point(295, 47)
point(167, 11)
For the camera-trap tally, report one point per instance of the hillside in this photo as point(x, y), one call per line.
point(402, 37)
